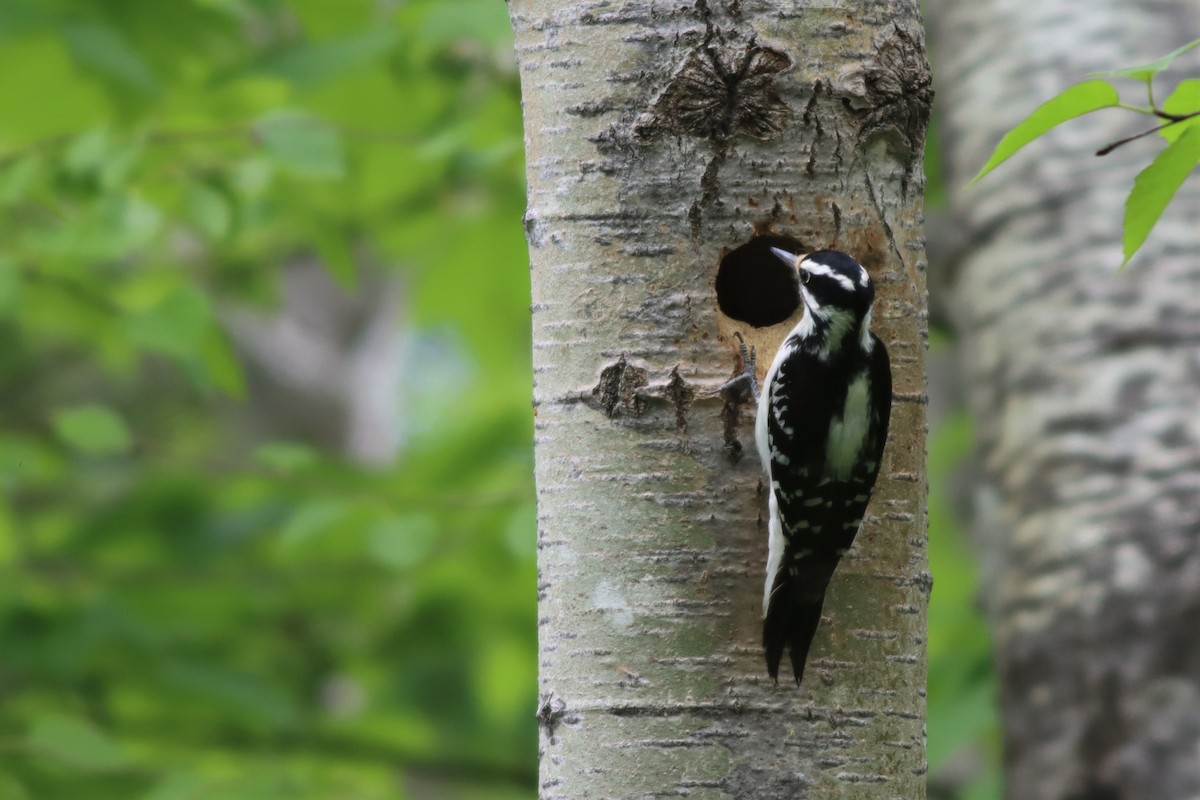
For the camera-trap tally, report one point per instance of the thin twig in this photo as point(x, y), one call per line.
point(1172, 119)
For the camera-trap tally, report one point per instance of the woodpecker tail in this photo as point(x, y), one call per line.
point(792, 621)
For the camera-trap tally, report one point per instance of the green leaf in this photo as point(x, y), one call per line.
point(119, 166)
point(17, 179)
point(252, 177)
point(520, 534)
point(11, 788)
point(312, 62)
point(499, 666)
point(241, 694)
point(402, 542)
point(76, 742)
point(305, 145)
point(86, 153)
point(10, 286)
point(22, 17)
point(99, 47)
point(1184, 100)
point(1146, 72)
point(176, 786)
point(113, 227)
point(221, 363)
point(286, 457)
point(311, 519)
point(1080, 99)
point(92, 429)
point(1156, 185)
point(465, 19)
point(177, 326)
point(335, 251)
point(10, 544)
point(209, 210)
point(43, 95)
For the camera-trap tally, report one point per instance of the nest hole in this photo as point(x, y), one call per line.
point(754, 286)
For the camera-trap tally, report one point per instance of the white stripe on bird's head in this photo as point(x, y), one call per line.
point(824, 270)
point(838, 263)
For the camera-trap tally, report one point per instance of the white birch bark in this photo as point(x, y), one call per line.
point(1084, 384)
point(660, 136)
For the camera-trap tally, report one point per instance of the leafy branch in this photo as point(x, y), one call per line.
point(1157, 184)
point(303, 142)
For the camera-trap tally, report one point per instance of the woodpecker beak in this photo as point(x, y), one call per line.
point(791, 259)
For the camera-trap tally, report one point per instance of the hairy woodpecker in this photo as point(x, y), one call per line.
point(821, 426)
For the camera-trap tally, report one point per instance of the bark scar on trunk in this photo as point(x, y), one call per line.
point(551, 710)
point(680, 394)
point(717, 93)
point(892, 94)
point(731, 417)
point(617, 391)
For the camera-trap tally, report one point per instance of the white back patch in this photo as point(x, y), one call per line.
point(846, 435)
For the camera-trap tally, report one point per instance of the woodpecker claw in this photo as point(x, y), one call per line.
point(749, 370)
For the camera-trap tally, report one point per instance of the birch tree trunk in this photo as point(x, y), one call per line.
point(668, 142)
point(1084, 382)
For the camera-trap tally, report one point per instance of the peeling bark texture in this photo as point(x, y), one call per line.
point(660, 136)
point(1084, 382)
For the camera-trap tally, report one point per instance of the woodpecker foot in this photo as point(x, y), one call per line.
point(736, 387)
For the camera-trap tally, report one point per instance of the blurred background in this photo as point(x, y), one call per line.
point(267, 521)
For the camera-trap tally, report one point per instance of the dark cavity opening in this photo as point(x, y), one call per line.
point(756, 287)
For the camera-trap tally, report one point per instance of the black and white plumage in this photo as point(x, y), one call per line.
point(822, 422)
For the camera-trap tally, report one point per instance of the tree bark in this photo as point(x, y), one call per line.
point(1084, 382)
point(661, 137)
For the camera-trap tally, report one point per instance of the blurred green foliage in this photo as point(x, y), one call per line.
point(963, 729)
point(189, 611)
point(193, 609)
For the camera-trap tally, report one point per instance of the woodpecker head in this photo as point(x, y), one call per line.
point(832, 284)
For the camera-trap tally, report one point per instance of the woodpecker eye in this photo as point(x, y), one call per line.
point(804, 275)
